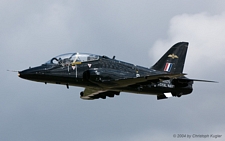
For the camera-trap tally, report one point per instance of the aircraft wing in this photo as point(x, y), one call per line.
point(130, 81)
point(104, 90)
point(91, 93)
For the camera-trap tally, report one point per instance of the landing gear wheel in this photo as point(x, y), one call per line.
point(177, 94)
point(82, 93)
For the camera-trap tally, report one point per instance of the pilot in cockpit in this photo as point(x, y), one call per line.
point(60, 61)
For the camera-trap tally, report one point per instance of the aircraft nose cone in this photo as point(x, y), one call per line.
point(32, 73)
point(24, 74)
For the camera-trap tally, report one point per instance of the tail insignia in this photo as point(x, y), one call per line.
point(173, 56)
point(168, 67)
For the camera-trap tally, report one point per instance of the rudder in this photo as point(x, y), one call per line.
point(173, 60)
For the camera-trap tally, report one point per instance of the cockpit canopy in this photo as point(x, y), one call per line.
point(72, 58)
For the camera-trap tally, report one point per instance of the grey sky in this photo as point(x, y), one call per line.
point(31, 32)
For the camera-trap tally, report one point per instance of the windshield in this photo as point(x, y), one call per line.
point(72, 58)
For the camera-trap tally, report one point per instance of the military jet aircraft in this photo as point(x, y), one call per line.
point(102, 76)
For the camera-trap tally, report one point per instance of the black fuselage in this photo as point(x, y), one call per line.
point(99, 73)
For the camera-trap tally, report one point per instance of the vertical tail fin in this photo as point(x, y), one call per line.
point(173, 60)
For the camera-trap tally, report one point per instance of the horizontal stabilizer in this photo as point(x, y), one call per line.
point(199, 80)
point(204, 80)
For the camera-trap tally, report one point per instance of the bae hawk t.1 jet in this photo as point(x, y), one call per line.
point(102, 76)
